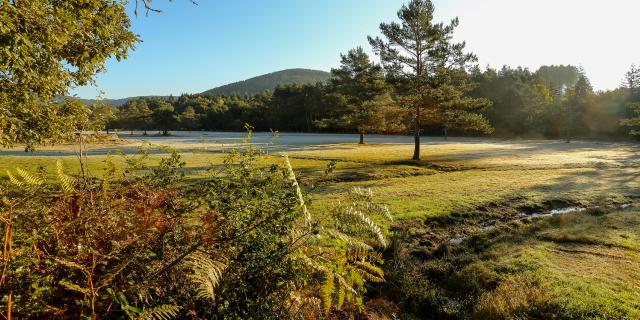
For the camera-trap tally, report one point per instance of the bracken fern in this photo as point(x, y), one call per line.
point(163, 312)
point(66, 182)
point(207, 273)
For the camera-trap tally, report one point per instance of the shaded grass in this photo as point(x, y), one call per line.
point(527, 269)
point(596, 275)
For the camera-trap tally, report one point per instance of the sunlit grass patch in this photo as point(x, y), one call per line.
point(496, 154)
point(584, 264)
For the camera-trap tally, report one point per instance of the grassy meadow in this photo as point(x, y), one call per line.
point(585, 264)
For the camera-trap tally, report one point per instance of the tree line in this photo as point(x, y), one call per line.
point(553, 102)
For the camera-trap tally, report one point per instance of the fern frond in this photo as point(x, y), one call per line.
point(370, 272)
point(366, 197)
point(294, 183)
point(13, 179)
point(109, 171)
point(29, 178)
point(316, 266)
point(73, 287)
point(340, 297)
point(71, 264)
point(351, 241)
point(163, 312)
point(206, 274)
point(366, 221)
point(327, 290)
point(350, 291)
point(66, 182)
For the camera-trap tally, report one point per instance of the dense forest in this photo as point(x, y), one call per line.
point(552, 102)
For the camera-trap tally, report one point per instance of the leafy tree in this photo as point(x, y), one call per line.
point(579, 99)
point(632, 79)
point(189, 119)
point(559, 78)
point(100, 115)
point(46, 47)
point(164, 116)
point(296, 107)
point(144, 116)
point(522, 102)
point(360, 83)
point(430, 71)
point(632, 110)
point(135, 115)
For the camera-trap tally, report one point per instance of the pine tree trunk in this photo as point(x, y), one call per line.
point(361, 131)
point(445, 132)
point(568, 128)
point(416, 135)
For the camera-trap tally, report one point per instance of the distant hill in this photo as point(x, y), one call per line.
point(270, 81)
point(250, 86)
point(113, 102)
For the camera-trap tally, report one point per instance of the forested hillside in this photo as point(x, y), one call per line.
point(269, 81)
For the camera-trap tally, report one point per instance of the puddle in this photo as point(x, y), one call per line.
point(487, 228)
point(545, 214)
point(556, 212)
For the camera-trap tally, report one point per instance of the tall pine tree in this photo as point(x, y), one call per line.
point(361, 86)
point(632, 111)
point(431, 72)
point(579, 99)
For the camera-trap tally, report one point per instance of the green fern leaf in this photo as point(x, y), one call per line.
point(163, 312)
point(13, 179)
point(109, 172)
point(206, 274)
point(370, 272)
point(29, 178)
point(66, 182)
point(73, 287)
point(327, 290)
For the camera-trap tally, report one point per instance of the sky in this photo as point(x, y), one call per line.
point(192, 48)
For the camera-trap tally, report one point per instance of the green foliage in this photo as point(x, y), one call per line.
point(525, 104)
point(49, 46)
point(430, 72)
point(66, 182)
point(580, 98)
point(163, 312)
point(168, 171)
point(206, 274)
point(632, 83)
point(138, 243)
point(559, 78)
point(360, 84)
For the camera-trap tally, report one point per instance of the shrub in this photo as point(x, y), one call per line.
point(514, 298)
point(141, 243)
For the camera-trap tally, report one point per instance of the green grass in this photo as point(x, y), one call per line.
point(588, 266)
point(452, 178)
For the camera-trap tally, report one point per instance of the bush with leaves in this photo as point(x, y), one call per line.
point(340, 253)
point(138, 242)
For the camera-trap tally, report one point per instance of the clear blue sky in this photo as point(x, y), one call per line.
point(191, 48)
